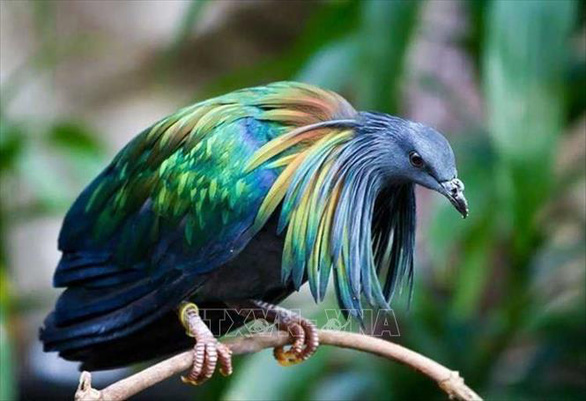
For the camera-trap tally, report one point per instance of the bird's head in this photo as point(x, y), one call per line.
point(412, 152)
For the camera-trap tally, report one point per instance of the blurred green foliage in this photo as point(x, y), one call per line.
point(7, 382)
point(523, 58)
point(494, 305)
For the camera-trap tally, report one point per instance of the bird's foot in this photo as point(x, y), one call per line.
point(303, 333)
point(207, 350)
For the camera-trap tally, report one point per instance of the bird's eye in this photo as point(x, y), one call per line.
point(415, 159)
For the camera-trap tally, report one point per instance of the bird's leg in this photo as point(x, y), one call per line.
point(207, 350)
point(302, 331)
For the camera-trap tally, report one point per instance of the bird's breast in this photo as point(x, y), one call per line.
point(255, 273)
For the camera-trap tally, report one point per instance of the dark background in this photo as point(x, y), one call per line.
point(499, 297)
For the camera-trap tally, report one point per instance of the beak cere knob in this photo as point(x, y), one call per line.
point(454, 191)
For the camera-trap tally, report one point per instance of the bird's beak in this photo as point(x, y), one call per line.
point(454, 191)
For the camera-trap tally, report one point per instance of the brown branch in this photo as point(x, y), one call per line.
point(448, 380)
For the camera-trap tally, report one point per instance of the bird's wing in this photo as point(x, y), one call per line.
point(182, 187)
point(176, 202)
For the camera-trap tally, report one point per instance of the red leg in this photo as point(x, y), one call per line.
point(207, 351)
point(302, 331)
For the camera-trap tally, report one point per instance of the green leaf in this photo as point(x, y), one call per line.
point(7, 379)
point(11, 145)
point(339, 17)
point(190, 18)
point(42, 178)
point(82, 152)
point(333, 66)
point(74, 137)
point(385, 34)
point(526, 52)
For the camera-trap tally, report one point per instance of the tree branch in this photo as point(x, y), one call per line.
point(448, 380)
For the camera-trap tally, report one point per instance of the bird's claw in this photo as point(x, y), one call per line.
point(286, 358)
point(207, 351)
point(303, 333)
point(206, 355)
point(305, 342)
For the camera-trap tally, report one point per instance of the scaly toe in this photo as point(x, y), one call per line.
point(286, 358)
point(207, 352)
point(191, 378)
point(225, 359)
point(187, 380)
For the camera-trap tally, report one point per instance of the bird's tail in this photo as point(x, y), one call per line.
point(162, 337)
point(113, 326)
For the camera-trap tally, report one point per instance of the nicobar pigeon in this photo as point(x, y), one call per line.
point(229, 206)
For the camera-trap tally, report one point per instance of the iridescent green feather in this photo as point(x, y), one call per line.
point(195, 172)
